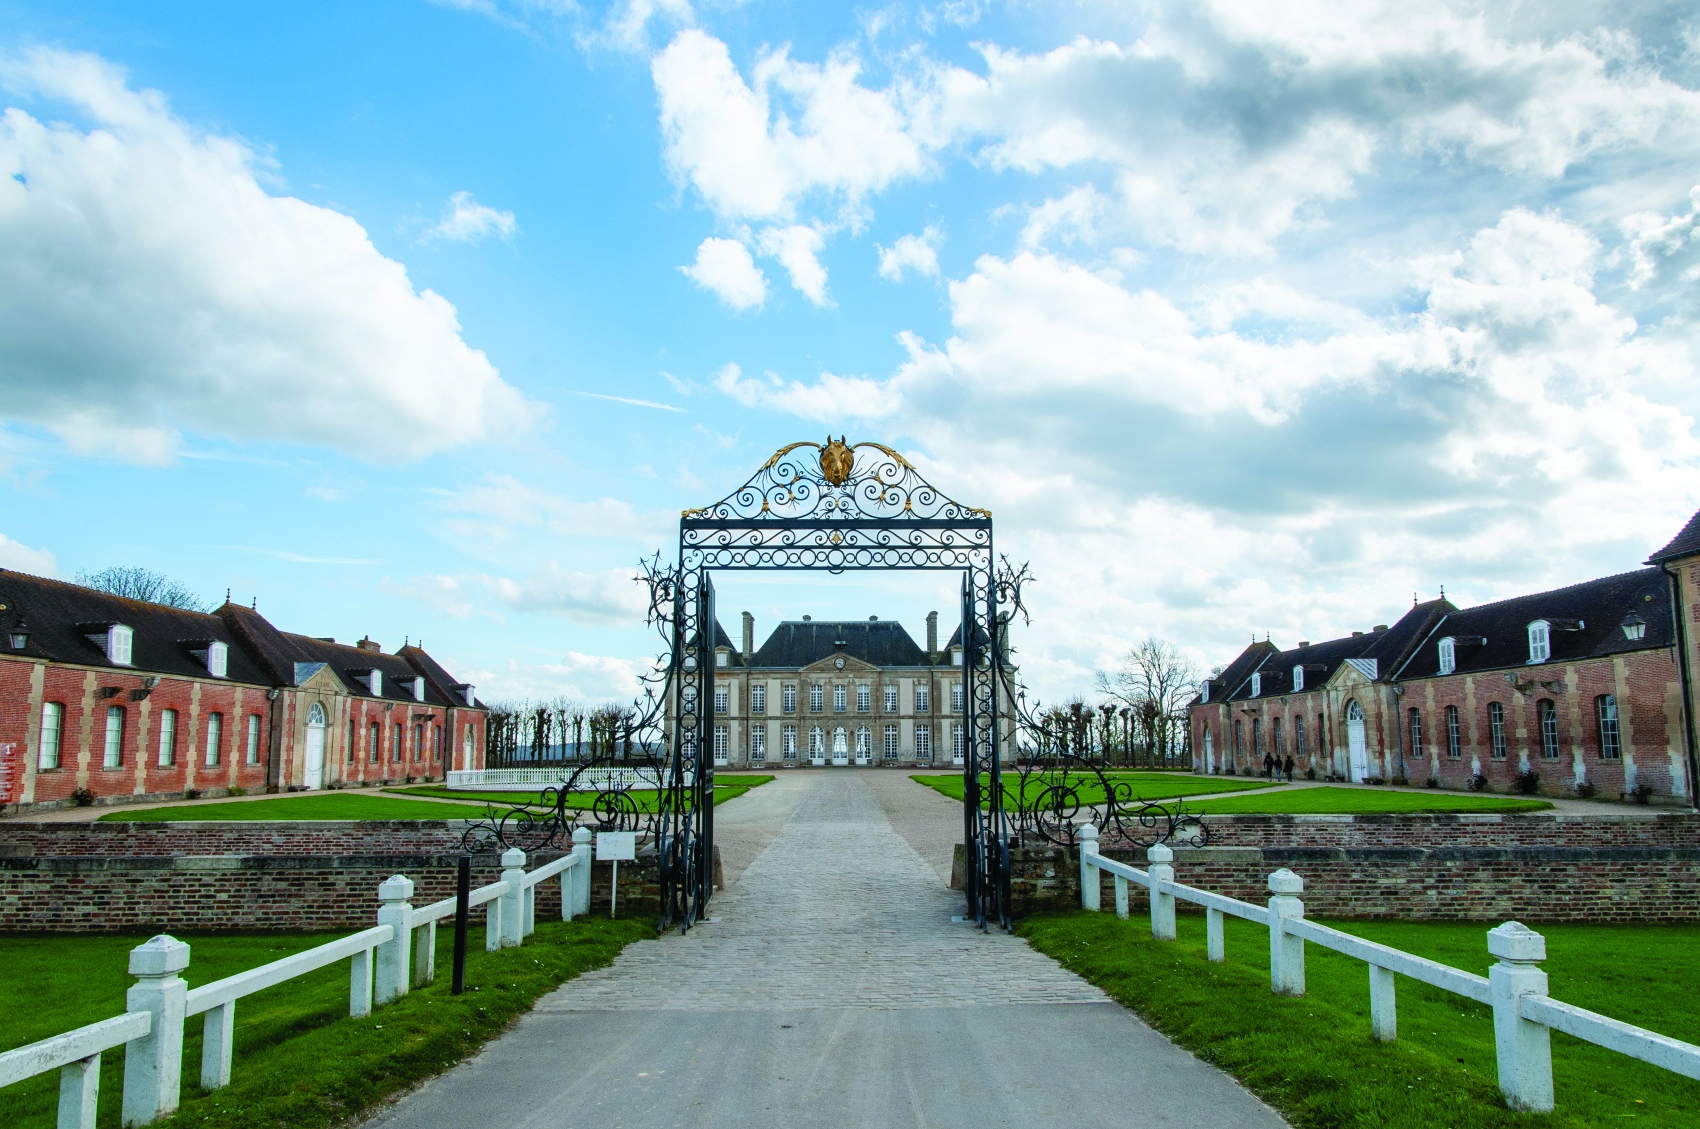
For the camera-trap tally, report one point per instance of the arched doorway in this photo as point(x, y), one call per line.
point(1209, 752)
point(840, 746)
point(314, 775)
point(1357, 744)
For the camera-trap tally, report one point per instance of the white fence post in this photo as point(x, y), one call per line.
point(492, 925)
point(1121, 896)
point(513, 902)
point(1158, 857)
point(529, 926)
point(1383, 1010)
point(1215, 944)
point(79, 1093)
point(360, 983)
point(1089, 881)
point(218, 1045)
point(396, 911)
point(1524, 1048)
point(579, 881)
point(153, 1064)
point(425, 953)
point(1286, 952)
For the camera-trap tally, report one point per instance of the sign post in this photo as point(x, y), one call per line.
point(612, 847)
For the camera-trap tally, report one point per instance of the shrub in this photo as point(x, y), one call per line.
point(1585, 790)
point(1400, 781)
point(1310, 774)
point(1528, 783)
point(1477, 783)
point(1433, 782)
point(82, 797)
point(237, 792)
point(1376, 780)
point(191, 793)
point(1643, 793)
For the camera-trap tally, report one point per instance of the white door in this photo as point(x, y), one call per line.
point(315, 774)
point(1209, 752)
point(864, 746)
point(840, 746)
point(1356, 745)
point(817, 746)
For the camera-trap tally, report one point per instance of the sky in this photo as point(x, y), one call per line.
point(423, 321)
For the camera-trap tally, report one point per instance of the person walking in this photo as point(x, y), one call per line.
point(1268, 766)
point(1289, 768)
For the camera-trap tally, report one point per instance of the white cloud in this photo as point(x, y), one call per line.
point(1658, 242)
point(20, 557)
point(613, 597)
point(581, 677)
point(465, 220)
point(918, 253)
point(755, 150)
point(148, 285)
point(796, 248)
point(830, 398)
point(725, 267)
point(323, 493)
point(487, 512)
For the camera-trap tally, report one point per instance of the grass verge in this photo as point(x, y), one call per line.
point(1362, 801)
point(300, 1060)
point(308, 806)
point(726, 787)
point(1145, 785)
point(1313, 1058)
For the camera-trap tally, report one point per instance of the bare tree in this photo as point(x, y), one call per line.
point(1156, 682)
point(144, 584)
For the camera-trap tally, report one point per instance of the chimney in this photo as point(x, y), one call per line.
point(749, 635)
point(932, 633)
point(366, 644)
point(1380, 627)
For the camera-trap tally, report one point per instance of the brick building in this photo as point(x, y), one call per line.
point(124, 700)
point(849, 693)
point(1587, 687)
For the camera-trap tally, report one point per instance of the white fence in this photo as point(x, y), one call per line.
point(1516, 987)
point(599, 779)
point(384, 963)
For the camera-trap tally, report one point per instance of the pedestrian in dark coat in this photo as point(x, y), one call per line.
point(1269, 766)
point(1289, 768)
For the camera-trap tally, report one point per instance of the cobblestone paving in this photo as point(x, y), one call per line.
point(838, 912)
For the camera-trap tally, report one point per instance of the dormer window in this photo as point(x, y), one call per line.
point(375, 682)
point(1540, 641)
point(418, 689)
point(1204, 691)
point(470, 699)
point(1298, 679)
point(721, 658)
point(1449, 654)
point(119, 640)
point(1256, 685)
point(218, 659)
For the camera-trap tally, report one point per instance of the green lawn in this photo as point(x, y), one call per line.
point(1313, 1058)
point(1145, 785)
point(306, 806)
point(1359, 801)
point(728, 787)
point(300, 1061)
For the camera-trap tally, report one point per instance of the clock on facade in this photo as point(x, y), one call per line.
point(838, 664)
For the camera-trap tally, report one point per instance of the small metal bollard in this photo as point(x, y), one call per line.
point(463, 898)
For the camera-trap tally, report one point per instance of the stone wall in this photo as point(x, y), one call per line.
point(1538, 867)
point(76, 877)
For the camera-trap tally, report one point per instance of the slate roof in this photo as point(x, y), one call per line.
point(1389, 649)
point(797, 643)
point(1600, 606)
point(59, 616)
point(1684, 544)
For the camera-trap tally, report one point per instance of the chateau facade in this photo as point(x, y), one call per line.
point(1586, 690)
point(105, 699)
point(845, 693)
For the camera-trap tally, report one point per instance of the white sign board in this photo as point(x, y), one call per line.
point(616, 846)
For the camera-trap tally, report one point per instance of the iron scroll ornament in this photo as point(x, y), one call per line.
point(609, 793)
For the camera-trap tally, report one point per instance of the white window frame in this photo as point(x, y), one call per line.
point(722, 699)
point(788, 697)
point(864, 698)
point(1256, 685)
point(817, 698)
point(891, 742)
point(253, 738)
point(1448, 655)
point(788, 742)
point(113, 748)
point(1204, 691)
point(1454, 743)
point(891, 699)
point(758, 698)
point(722, 743)
point(1611, 735)
point(864, 741)
point(375, 683)
point(215, 738)
point(1298, 679)
point(167, 738)
point(218, 660)
point(721, 658)
point(817, 741)
point(418, 689)
point(840, 698)
point(958, 742)
point(466, 747)
point(52, 722)
point(924, 742)
point(758, 742)
point(956, 698)
point(1540, 641)
point(1496, 731)
point(923, 699)
point(120, 645)
point(840, 742)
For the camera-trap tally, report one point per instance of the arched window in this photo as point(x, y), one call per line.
point(1257, 737)
point(1354, 711)
point(1611, 744)
point(1448, 655)
point(1299, 736)
point(840, 742)
point(1540, 641)
point(1496, 729)
point(466, 748)
point(1298, 679)
point(1548, 713)
point(1256, 685)
point(864, 741)
point(167, 738)
point(1416, 733)
point(817, 740)
point(316, 715)
point(1452, 744)
point(1239, 737)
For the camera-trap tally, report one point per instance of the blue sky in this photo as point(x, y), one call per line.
point(426, 319)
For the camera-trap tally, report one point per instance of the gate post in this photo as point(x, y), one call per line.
point(1090, 892)
point(513, 902)
point(153, 1064)
point(396, 911)
point(1162, 902)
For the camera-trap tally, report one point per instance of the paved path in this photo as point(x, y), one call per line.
point(834, 990)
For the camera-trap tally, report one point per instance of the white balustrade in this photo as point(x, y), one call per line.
point(384, 962)
point(1515, 988)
